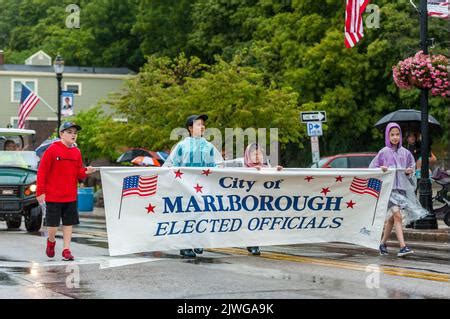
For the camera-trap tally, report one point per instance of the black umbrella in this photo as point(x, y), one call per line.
point(128, 156)
point(44, 145)
point(409, 120)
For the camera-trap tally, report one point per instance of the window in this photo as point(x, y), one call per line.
point(360, 161)
point(321, 162)
point(16, 88)
point(340, 162)
point(75, 88)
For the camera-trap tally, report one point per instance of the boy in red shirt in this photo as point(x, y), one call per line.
point(59, 171)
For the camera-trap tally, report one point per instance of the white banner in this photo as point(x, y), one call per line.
point(150, 209)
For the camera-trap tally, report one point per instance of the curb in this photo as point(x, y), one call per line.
point(434, 235)
point(91, 216)
point(429, 247)
point(95, 213)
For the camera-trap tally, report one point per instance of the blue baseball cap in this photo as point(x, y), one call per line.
point(64, 126)
point(190, 120)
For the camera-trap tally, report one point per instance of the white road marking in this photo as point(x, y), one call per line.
point(104, 262)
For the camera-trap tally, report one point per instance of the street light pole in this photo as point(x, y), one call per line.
point(59, 78)
point(425, 192)
point(58, 65)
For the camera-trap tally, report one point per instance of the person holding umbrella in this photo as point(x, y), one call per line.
point(431, 161)
point(413, 145)
point(194, 151)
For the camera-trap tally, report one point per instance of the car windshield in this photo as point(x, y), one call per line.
point(23, 159)
point(237, 162)
point(320, 163)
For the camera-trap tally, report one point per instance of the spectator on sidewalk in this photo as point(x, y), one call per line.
point(413, 145)
point(11, 156)
point(432, 160)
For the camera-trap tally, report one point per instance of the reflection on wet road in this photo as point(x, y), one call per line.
point(331, 270)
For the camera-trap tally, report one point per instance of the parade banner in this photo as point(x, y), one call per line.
point(157, 209)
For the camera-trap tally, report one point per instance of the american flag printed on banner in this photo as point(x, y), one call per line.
point(28, 101)
point(371, 186)
point(353, 21)
point(139, 185)
point(438, 8)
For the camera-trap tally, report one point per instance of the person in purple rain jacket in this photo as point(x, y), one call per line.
point(403, 206)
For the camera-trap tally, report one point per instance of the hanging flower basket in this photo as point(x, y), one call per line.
point(423, 71)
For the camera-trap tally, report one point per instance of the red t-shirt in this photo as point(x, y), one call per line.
point(59, 171)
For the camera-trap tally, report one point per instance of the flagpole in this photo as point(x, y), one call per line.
point(45, 102)
point(376, 205)
point(375, 212)
point(120, 208)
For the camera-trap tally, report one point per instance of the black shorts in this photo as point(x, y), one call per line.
point(67, 212)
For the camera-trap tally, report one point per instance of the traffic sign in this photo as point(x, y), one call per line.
point(314, 128)
point(313, 116)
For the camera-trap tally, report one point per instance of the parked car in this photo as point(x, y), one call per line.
point(350, 160)
point(18, 171)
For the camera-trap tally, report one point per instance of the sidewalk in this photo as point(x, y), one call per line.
point(441, 235)
point(97, 213)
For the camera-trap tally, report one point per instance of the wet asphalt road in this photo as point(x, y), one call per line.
point(331, 270)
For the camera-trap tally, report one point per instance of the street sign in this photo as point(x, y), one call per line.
point(314, 128)
point(313, 116)
point(315, 149)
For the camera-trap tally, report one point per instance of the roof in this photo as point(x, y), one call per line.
point(351, 154)
point(43, 55)
point(67, 69)
point(15, 131)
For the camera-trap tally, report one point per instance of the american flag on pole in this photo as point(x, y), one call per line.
point(353, 21)
point(28, 101)
point(139, 185)
point(371, 186)
point(438, 8)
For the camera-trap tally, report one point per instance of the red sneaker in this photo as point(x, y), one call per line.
point(67, 255)
point(50, 251)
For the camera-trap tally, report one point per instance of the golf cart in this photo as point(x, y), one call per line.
point(18, 171)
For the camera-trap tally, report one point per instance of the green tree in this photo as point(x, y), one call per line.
point(94, 123)
point(163, 26)
point(110, 23)
point(304, 49)
point(222, 27)
point(293, 46)
point(159, 100)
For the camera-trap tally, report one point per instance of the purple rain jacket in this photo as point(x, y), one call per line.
point(392, 157)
